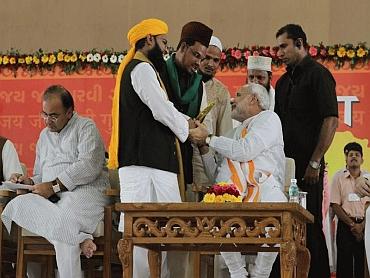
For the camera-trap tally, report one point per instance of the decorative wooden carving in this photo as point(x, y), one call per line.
point(206, 227)
point(125, 251)
point(288, 254)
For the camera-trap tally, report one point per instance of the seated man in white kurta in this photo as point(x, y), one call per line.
point(69, 164)
point(252, 157)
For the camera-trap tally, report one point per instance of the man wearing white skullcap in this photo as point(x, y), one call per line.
point(220, 113)
point(259, 71)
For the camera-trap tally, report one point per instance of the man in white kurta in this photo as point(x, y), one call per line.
point(10, 160)
point(259, 139)
point(70, 163)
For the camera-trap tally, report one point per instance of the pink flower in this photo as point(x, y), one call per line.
point(313, 51)
point(223, 56)
point(237, 54)
point(232, 52)
point(272, 53)
point(256, 53)
point(247, 54)
point(265, 52)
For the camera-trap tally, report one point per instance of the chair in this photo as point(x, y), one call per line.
point(31, 245)
point(8, 244)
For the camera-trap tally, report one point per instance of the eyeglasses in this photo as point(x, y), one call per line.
point(196, 54)
point(52, 117)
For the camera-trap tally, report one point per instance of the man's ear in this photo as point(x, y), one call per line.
point(183, 46)
point(150, 40)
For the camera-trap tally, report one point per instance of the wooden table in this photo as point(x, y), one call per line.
point(216, 227)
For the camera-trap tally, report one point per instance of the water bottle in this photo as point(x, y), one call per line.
point(293, 191)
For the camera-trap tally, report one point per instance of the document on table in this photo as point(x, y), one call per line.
point(15, 186)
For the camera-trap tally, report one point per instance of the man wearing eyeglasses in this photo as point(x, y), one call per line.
point(183, 82)
point(66, 201)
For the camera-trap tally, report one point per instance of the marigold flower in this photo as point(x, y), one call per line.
point(219, 199)
point(36, 60)
point(67, 58)
point(21, 60)
point(341, 52)
point(5, 60)
point(361, 52)
point(52, 59)
point(351, 53)
point(82, 57)
point(74, 58)
point(60, 56)
point(209, 198)
point(44, 59)
point(331, 51)
point(29, 60)
point(12, 60)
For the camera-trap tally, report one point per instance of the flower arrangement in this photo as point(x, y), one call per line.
point(235, 57)
point(222, 193)
point(69, 61)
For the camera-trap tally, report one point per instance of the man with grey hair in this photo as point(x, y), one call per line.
point(256, 147)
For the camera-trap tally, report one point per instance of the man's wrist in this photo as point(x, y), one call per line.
point(56, 186)
point(314, 164)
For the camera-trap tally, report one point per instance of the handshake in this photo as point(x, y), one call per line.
point(198, 132)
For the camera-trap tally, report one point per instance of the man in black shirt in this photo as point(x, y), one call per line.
point(307, 106)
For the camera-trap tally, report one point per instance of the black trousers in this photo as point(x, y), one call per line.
point(319, 266)
point(350, 253)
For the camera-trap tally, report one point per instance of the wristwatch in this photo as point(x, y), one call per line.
point(314, 164)
point(56, 186)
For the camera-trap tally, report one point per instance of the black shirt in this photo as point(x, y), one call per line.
point(304, 96)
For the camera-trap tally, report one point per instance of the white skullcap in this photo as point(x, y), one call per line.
point(216, 42)
point(259, 63)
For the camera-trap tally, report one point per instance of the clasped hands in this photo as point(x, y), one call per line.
point(198, 132)
point(44, 189)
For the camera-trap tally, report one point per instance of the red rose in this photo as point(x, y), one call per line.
point(323, 52)
point(265, 52)
point(223, 56)
point(256, 53)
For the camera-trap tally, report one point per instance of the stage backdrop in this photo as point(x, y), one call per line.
point(20, 105)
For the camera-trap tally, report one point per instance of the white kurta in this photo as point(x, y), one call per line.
point(75, 156)
point(10, 160)
point(263, 144)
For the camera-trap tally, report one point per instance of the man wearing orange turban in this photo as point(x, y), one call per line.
point(146, 128)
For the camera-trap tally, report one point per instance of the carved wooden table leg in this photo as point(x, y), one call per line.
point(125, 252)
point(303, 262)
point(287, 259)
point(155, 263)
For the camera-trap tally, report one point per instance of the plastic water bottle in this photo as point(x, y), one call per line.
point(293, 191)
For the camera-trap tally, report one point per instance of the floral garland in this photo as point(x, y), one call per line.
point(354, 54)
point(222, 193)
point(231, 58)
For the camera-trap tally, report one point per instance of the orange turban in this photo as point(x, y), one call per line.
point(151, 26)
